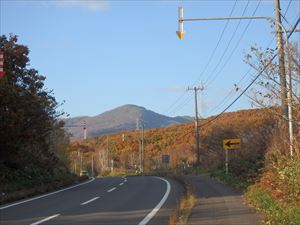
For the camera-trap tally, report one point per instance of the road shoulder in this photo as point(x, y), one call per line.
point(218, 204)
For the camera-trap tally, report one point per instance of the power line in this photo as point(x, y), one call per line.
point(245, 90)
point(230, 94)
point(235, 47)
point(217, 45)
point(208, 81)
point(287, 8)
point(252, 82)
point(210, 58)
point(184, 103)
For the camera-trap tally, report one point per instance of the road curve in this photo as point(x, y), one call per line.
point(109, 201)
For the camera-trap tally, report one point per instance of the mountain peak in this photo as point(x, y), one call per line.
point(120, 119)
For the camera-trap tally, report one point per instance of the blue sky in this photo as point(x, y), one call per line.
point(98, 55)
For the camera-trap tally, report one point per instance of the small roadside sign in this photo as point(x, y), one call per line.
point(232, 144)
point(165, 159)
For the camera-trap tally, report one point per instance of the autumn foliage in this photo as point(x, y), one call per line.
point(254, 127)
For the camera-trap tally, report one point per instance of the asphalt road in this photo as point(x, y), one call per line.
point(218, 204)
point(109, 201)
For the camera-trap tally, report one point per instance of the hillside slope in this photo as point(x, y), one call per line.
point(253, 127)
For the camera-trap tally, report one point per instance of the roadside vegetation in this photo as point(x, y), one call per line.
point(33, 144)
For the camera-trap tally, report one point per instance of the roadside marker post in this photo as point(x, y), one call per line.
point(230, 144)
point(1, 63)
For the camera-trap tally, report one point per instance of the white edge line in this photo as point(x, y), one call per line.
point(110, 190)
point(45, 195)
point(46, 219)
point(89, 201)
point(159, 205)
point(121, 184)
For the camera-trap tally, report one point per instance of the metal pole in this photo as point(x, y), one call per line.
point(92, 166)
point(280, 45)
point(286, 96)
point(140, 152)
point(282, 72)
point(226, 161)
point(289, 98)
point(142, 148)
point(80, 161)
point(289, 91)
point(197, 128)
point(107, 151)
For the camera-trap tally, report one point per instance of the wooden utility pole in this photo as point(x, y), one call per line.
point(281, 61)
point(197, 137)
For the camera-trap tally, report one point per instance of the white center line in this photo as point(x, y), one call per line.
point(44, 220)
point(45, 195)
point(121, 184)
point(110, 190)
point(87, 202)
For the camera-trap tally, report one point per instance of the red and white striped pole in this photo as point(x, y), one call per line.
point(1, 64)
point(84, 130)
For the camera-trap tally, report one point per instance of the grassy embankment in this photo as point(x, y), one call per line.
point(276, 193)
point(20, 182)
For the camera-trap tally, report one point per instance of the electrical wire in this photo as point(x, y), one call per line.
point(217, 45)
point(209, 80)
point(209, 60)
point(230, 95)
point(252, 82)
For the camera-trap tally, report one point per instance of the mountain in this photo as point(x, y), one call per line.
point(120, 119)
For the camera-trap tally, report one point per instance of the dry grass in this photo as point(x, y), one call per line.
point(186, 204)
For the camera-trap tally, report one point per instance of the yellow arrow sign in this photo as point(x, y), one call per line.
point(232, 144)
point(180, 34)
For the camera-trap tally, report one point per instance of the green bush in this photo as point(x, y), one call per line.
point(284, 175)
point(275, 212)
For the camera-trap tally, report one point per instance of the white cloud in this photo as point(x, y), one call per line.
point(92, 5)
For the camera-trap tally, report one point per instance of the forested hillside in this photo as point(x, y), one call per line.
point(254, 127)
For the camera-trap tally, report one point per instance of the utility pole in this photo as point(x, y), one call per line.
point(281, 62)
point(84, 130)
point(107, 151)
point(92, 166)
point(142, 168)
point(286, 93)
point(195, 89)
point(141, 144)
point(80, 161)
